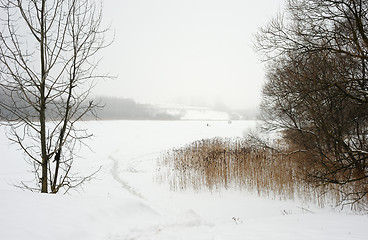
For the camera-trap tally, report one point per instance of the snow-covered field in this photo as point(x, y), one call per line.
point(126, 201)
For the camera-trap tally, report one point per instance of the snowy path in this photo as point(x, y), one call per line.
point(124, 184)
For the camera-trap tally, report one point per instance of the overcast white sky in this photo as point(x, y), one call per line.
point(186, 51)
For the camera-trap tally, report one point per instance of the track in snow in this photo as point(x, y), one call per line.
point(124, 184)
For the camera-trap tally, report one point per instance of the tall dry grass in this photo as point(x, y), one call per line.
point(242, 164)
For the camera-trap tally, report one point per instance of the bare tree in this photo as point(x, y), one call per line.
point(317, 89)
point(48, 67)
point(338, 27)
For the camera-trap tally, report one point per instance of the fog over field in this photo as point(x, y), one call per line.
point(128, 109)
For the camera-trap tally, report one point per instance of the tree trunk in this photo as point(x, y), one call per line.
point(44, 165)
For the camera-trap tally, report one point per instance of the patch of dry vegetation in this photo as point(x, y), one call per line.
point(242, 164)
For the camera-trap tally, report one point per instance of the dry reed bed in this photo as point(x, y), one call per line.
point(242, 164)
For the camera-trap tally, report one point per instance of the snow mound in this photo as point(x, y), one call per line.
point(189, 218)
point(39, 216)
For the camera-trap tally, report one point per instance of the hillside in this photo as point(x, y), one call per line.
point(128, 109)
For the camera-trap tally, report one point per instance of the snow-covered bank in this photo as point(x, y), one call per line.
point(126, 200)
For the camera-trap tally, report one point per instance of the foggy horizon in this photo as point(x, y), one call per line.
point(194, 53)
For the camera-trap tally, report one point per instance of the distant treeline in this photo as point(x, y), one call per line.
point(124, 108)
point(111, 109)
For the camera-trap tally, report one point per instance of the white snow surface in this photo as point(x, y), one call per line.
point(195, 113)
point(125, 200)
